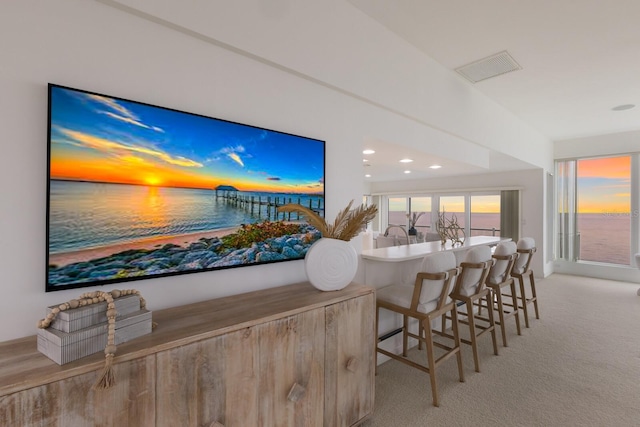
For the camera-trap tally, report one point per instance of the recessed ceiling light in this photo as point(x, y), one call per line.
point(368, 152)
point(367, 176)
point(407, 171)
point(406, 161)
point(365, 160)
point(435, 167)
point(623, 107)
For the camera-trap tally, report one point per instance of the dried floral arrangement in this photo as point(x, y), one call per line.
point(449, 229)
point(107, 379)
point(347, 224)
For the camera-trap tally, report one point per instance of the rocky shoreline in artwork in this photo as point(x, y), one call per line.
point(203, 254)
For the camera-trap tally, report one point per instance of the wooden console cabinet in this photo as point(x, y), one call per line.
point(287, 356)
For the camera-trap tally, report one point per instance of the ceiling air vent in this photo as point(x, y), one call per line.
point(488, 67)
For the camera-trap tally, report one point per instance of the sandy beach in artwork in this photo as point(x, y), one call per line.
point(66, 258)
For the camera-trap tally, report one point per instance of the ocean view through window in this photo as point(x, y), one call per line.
point(594, 212)
point(604, 209)
point(483, 218)
point(485, 215)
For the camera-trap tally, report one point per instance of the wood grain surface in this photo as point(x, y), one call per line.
point(230, 361)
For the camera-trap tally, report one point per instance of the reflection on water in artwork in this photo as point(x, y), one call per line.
point(85, 214)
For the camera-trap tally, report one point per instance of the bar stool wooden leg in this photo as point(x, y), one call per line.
point(405, 334)
point(503, 327)
point(492, 325)
point(514, 300)
point(534, 296)
point(523, 297)
point(472, 337)
point(456, 341)
point(431, 363)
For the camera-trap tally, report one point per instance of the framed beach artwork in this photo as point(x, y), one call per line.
point(137, 191)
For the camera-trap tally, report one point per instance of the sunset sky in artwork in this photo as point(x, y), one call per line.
point(103, 139)
point(604, 185)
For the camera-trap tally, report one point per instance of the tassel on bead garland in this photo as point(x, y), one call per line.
point(107, 378)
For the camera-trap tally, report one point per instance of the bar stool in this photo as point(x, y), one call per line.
point(498, 281)
point(427, 300)
point(470, 290)
point(521, 269)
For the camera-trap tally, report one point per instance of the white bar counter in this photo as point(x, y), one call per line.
point(399, 264)
point(419, 250)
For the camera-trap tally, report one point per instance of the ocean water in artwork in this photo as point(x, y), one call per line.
point(86, 215)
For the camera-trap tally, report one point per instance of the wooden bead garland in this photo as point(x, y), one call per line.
point(107, 378)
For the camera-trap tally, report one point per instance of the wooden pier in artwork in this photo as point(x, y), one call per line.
point(264, 206)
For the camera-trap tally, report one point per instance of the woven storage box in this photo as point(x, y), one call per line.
point(64, 347)
point(82, 317)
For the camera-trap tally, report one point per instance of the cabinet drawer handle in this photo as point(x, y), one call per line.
point(352, 364)
point(296, 393)
point(216, 424)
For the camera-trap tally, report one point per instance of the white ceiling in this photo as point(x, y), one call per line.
point(579, 58)
point(385, 164)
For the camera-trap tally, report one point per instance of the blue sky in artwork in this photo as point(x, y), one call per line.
point(99, 138)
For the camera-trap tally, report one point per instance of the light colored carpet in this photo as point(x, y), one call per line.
point(578, 365)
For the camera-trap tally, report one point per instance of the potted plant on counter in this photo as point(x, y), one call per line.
point(413, 220)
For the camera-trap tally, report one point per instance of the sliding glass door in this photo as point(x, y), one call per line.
point(479, 214)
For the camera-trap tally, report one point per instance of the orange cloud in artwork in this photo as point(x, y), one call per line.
point(105, 145)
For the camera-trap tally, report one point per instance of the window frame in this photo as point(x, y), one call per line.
point(568, 263)
point(435, 205)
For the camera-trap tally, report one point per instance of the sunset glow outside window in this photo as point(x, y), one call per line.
point(485, 215)
point(397, 213)
point(603, 208)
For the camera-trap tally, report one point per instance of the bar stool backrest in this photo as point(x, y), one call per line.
point(437, 262)
point(501, 270)
point(526, 247)
point(475, 269)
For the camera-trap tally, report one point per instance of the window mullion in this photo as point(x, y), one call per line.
point(635, 207)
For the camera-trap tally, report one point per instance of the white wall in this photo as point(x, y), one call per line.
point(93, 46)
point(600, 145)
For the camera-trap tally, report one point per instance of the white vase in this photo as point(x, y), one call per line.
point(331, 264)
